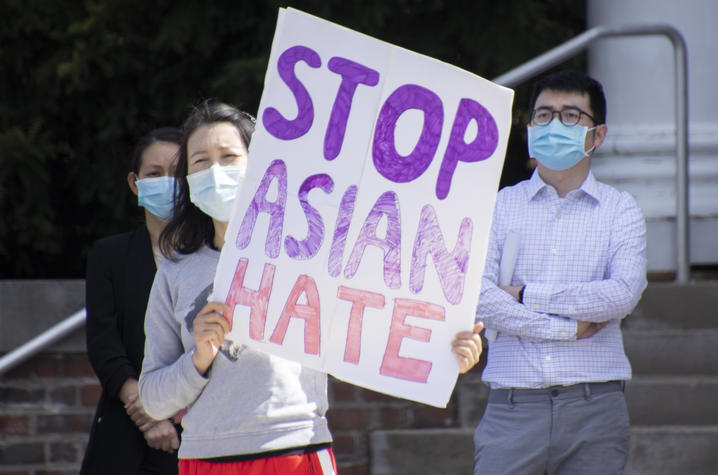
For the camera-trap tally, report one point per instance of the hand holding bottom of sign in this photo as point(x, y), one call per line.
point(209, 328)
point(467, 348)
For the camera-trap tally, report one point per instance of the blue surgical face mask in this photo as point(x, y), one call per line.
point(558, 146)
point(214, 189)
point(155, 195)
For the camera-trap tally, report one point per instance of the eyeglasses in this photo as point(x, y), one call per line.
point(568, 116)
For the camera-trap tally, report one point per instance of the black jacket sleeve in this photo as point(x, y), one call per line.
point(103, 301)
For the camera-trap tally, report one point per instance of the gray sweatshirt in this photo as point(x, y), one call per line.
point(249, 402)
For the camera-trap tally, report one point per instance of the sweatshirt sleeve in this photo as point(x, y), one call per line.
point(169, 381)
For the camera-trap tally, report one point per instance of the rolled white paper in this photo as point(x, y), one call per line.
point(506, 268)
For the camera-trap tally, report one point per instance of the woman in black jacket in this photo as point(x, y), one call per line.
point(120, 270)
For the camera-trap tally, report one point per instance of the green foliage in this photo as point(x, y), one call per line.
point(81, 81)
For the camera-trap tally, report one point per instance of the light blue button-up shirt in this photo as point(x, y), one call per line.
point(581, 258)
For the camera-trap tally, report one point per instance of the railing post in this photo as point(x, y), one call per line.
point(682, 196)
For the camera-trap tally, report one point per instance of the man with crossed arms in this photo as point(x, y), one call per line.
point(556, 365)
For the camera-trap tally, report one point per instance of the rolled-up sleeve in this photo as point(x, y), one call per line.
point(617, 294)
point(500, 312)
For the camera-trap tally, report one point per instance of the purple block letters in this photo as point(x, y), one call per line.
point(386, 205)
point(309, 247)
point(450, 267)
point(344, 218)
point(273, 120)
point(352, 75)
point(277, 170)
point(387, 160)
point(457, 150)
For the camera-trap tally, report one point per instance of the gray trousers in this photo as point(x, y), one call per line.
point(580, 429)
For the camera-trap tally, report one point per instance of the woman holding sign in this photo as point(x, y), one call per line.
point(249, 412)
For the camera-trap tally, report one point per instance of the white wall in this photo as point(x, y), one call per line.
point(639, 153)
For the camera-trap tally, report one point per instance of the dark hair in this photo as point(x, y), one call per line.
point(190, 228)
point(162, 134)
point(574, 81)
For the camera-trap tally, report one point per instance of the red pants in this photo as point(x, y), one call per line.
point(315, 463)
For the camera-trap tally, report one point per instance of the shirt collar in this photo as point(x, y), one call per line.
point(589, 187)
point(534, 185)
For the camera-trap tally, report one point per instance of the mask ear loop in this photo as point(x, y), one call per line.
point(593, 147)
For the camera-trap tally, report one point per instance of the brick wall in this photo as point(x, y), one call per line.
point(355, 412)
point(47, 404)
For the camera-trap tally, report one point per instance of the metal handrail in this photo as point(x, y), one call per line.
point(42, 341)
point(576, 45)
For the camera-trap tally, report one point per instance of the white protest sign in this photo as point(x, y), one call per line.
point(358, 239)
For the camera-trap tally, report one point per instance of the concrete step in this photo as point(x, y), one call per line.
point(654, 450)
point(686, 400)
point(471, 397)
point(673, 450)
point(422, 452)
point(676, 306)
point(672, 352)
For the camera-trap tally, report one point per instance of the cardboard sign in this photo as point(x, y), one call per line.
point(357, 241)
